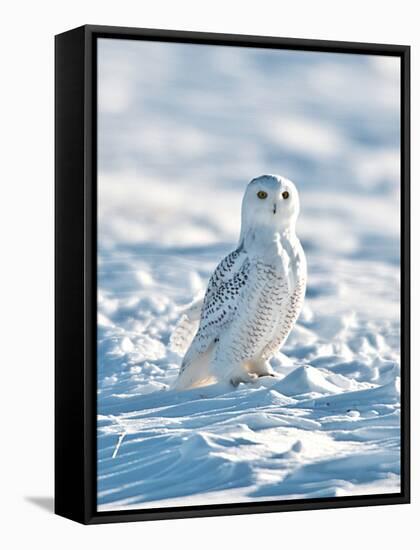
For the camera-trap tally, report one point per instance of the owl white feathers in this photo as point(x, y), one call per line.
point(255, 294)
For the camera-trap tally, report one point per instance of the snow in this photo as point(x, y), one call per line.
point(182, 129)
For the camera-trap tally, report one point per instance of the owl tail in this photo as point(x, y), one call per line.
point(186, 327)
point(195, 371)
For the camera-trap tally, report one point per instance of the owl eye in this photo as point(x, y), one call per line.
point(262, 195)
point(285, 194)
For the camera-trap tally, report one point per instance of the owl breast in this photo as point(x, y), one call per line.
point(286, 278)
point(287, 314)
point(267, 310)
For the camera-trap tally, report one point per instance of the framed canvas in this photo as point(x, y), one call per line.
point(232, 274)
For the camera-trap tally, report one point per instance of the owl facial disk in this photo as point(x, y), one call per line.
point(270, 197)
point(270, 205)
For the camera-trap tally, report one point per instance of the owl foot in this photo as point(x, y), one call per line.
point(260, 368)
point(245, 378)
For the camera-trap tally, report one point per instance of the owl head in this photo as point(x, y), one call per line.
point(270, 202)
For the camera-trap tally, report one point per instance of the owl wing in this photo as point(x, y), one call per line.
point(189, 322)
point(220, 302)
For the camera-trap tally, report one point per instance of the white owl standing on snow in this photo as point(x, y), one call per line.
point(254, 296)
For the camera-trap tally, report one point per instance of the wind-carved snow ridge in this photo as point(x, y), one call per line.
point(169, 200)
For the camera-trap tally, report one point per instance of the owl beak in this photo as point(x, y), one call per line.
point(274, 208)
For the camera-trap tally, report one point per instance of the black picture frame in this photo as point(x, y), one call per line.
point(75, 272)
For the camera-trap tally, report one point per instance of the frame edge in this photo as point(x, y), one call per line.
point(69, 383)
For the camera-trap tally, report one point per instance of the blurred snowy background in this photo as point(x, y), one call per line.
point(181, 130)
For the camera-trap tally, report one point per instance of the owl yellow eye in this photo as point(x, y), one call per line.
point(262, 195)
point(285, 194)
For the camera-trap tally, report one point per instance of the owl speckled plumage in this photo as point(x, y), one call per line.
point(254, 296)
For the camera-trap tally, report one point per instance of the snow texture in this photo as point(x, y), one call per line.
point(182, 129)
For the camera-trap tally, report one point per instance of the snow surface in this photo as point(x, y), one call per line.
point(182, 130)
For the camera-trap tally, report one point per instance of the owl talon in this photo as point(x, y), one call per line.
point(244, 378)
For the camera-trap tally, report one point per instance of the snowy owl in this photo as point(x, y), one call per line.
point(255, 294)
